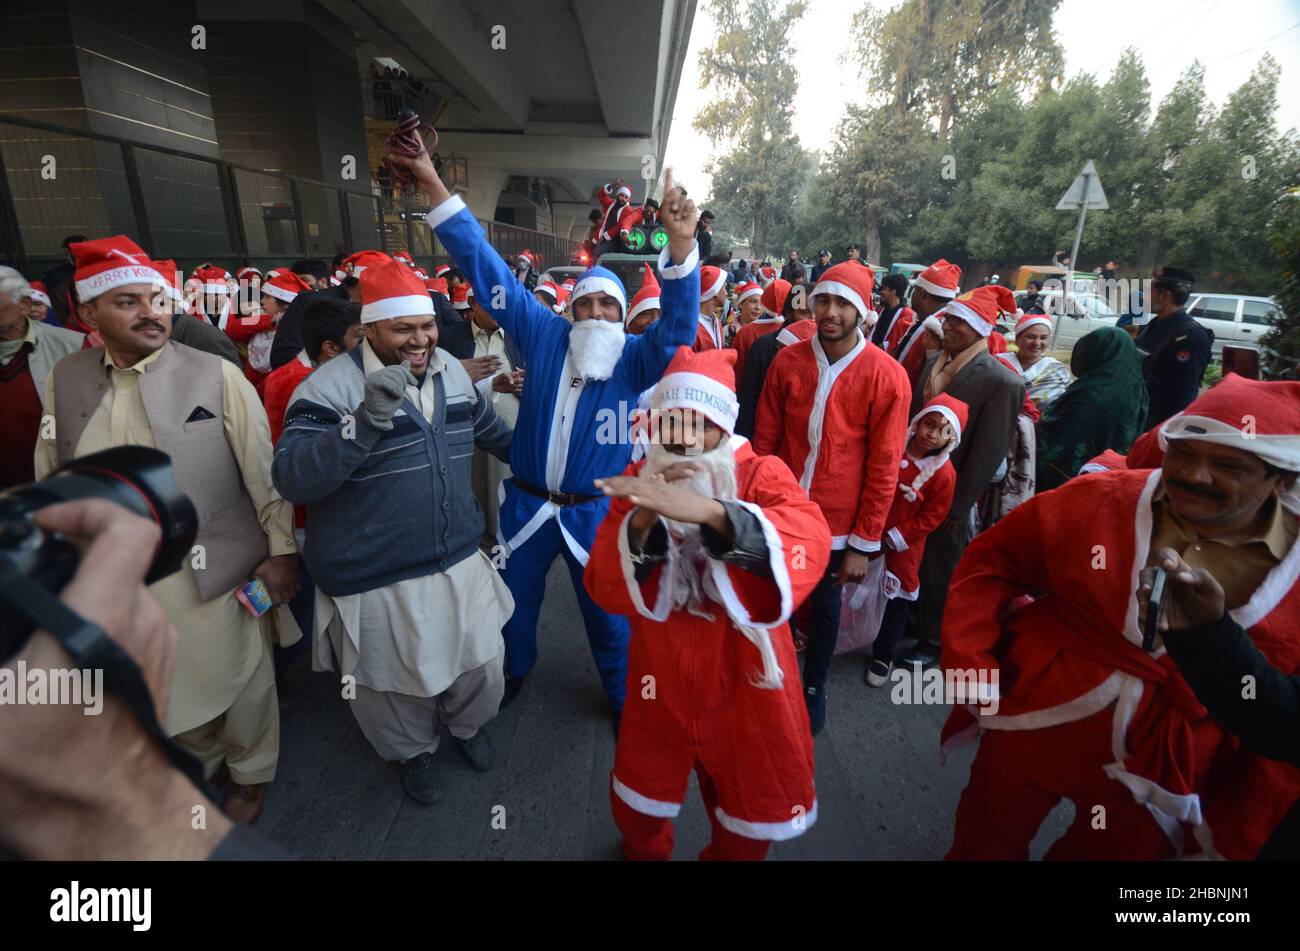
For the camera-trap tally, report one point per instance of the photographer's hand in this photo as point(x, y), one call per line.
point(79, 786)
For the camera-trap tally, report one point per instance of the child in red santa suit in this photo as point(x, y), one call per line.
point(926, 480)
point(707, 548)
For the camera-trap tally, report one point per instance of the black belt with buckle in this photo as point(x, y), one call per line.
point(563, 499)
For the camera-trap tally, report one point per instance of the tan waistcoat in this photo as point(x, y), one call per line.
point(204, 465)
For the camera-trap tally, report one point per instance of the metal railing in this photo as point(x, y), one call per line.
point(56, 181)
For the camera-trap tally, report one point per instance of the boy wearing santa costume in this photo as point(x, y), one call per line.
point(896, 319)
point(771, 304)
point(644, 309)
point(925, 483)
point(256, 332)
point(1084, 712)
point(708, 547)
point(713, 296)
point(933, 288)
point(834, 409)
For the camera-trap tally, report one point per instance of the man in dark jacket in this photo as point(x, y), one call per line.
point(823, 262)
point(1175, 349)
point(288, 337)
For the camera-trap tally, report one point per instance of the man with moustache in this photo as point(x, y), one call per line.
point(1084, 713)
point(834, 408)
point(143, 389)
point(708, 547)
point(584, 380)
point(378, 445)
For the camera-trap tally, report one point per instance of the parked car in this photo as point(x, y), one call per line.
point(1087, 312)
point(1236, 319)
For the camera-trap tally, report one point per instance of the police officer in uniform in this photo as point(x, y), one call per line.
point(1175, 349)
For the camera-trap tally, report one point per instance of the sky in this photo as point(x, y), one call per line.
point(1228, 36)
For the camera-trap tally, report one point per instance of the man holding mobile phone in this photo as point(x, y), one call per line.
point(1084, 712)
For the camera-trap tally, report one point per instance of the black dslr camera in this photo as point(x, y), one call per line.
point(135, 477)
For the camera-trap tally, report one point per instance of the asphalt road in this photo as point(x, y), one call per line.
point(882, 791)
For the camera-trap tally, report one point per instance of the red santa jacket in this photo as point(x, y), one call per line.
point(840, 428)
point(704, 334)
point(691, 690)
point(1076, 650)
point(910, 522)
point(746, 336)
point(900, 324)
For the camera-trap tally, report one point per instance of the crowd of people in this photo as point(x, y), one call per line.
point(803, 462)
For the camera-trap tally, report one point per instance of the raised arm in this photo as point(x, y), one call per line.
point(495, 286)
point(646, 357)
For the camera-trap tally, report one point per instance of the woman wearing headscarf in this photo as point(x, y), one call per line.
point(1102, 409)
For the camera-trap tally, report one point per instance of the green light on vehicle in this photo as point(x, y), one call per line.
point(636, 240)
point(659, 239)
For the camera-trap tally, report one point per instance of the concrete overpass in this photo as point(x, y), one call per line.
point(571, 92)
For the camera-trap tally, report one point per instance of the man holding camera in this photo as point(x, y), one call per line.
point(142, 389)
point(1083, 711)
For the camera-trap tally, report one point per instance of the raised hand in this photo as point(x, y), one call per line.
point(679, 217)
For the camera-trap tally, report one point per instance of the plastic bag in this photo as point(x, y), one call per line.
point(862, 606)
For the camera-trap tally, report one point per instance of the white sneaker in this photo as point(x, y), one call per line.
point(878, 672)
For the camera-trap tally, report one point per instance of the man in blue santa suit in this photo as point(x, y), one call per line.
point(583, 382)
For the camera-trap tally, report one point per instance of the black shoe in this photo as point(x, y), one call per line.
point(420, 779)
point(922, 655)
point(513, 686)
point(477, 750)
point(816, 701)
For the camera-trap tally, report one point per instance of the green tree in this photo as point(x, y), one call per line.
point(944, 56)
point(1282, 342)
point(750, 71)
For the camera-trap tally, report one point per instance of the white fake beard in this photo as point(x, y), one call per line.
point(717, 480)
point(692, 585)
point(595, 346)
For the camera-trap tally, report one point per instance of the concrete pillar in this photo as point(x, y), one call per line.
point(485, 184)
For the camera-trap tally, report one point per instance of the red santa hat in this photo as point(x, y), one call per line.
point(36, 291)
point(215, 280)
point(404, 258)
point(748, 289)
point(247, 273)
point(980, 308)
point(767, 275)
point(562, 296)
point(108, 263)
point(774, 297)
point(712, 281)
point(705, 382)
point(623, 190)
point(285, 287)
point(392, 290)
point(527, 255)
point(851, 281)
point(941, 279)
point(1032, 320)
point(460, 296)
point(437, 284)
point(442, 270)
point(1260, 417)
point(647, 296)
point(171, 279)
point(355, 265)
point(956, 413)
point(550, 289)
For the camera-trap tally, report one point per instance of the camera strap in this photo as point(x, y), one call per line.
point(92, 649)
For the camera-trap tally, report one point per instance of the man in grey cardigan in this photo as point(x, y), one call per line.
point(378, 446)
point(965, 370)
